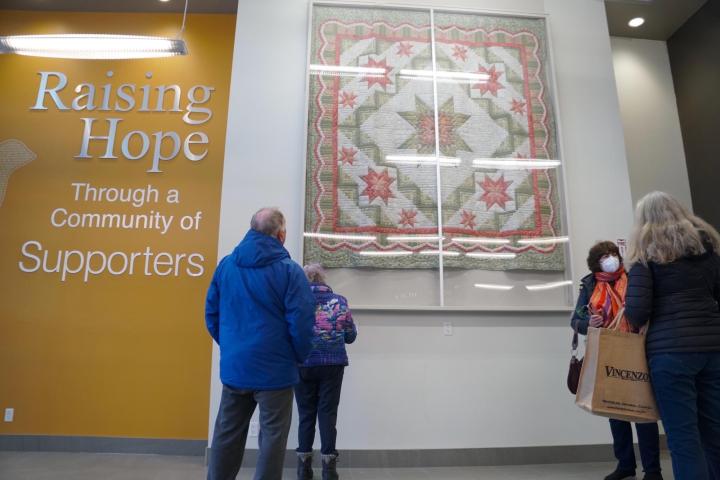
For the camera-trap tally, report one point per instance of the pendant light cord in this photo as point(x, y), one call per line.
point(182, 28)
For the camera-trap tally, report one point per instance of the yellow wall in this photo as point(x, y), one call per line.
point(118, 355)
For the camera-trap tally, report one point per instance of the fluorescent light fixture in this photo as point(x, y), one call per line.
point(515, 164)
point(548, 286)
point(341, 70)
point(92, 46)
point(422, 160)
point(415, 238)
point(484, 241)
point(444, 253)
point(336, 236)
point(492, 255)
point(445, 75)
point(636, 22)
point(385, 253)
point(543, 241)
point(491, 286)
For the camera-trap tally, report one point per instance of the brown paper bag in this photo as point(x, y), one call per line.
point(614, 381)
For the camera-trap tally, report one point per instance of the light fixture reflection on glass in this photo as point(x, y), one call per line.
point(337, 236)
point(443, 76)
point(491, 286)
point(548, 286)
point(636, 22)
point(385, 253)
point(543, 241)
point(444, 253)
point(484, 241)
point(415, 238)
point(422, 160)
point(341, 70)
point(492, 255)
point(515, 164)
point(92, 46)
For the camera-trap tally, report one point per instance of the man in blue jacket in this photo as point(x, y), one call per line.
point(261, 311)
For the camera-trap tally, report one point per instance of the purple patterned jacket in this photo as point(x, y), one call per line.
point(334, 327)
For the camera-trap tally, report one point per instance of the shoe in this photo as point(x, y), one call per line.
point(329, 464)
point(653, 476)
point(304, 467)
point(621, 474)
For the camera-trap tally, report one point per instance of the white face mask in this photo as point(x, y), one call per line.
point(610, 264)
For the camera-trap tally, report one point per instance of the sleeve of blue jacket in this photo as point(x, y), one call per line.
point(212, 309)
point(639, 296)
point(300, 312)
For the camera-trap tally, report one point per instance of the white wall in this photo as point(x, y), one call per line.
point(499, 380)
point(653, 140)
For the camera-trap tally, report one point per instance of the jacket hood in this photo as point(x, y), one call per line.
point(258, 250)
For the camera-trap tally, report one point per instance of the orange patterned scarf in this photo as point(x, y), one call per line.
point(609, 297)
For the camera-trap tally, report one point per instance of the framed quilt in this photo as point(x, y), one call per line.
point(426, 143)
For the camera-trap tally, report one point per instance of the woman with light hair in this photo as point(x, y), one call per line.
point(321, 376)
point(674, 284)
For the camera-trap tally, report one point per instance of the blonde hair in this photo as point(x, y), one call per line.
point(665, 230)
point(314, 273)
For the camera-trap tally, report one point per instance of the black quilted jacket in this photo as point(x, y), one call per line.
point(680, 300)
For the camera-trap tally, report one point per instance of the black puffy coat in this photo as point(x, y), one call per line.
point(680, 300)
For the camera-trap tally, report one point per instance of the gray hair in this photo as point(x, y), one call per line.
point(665, 230)
point(269, 221)
point(314, 273)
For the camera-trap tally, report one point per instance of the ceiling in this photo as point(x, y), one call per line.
point(662, 17)
point(195, 6)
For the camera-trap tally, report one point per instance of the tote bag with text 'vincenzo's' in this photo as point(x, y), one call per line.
point(614, 381)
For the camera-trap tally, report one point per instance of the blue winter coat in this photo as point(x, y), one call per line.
point(261, 312)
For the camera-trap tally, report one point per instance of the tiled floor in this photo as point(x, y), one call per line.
point(81, 466)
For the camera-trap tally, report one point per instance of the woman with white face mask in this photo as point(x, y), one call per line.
point(602, 295)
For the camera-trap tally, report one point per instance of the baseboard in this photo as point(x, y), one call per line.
point(459, 457)
point(47, 443)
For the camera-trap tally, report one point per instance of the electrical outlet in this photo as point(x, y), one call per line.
point(447, 328)
point(254, 429)
point(9, 414)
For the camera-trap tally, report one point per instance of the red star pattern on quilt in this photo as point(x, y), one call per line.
point(495, 191)
point(407, 218)
point(427, 129)
point(492, 84)
point(518, 107)
point(347, 155)
point(347, 99)
point(376, 78)
point(404, 49)
point(460, 52)
point(378, 185)
point(467, 219)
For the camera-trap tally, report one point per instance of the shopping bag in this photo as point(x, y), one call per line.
point(614, 380)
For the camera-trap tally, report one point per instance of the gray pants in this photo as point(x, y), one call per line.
point(231, 430)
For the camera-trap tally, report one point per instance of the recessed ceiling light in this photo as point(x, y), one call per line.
point(636, 22)
point(164, 1)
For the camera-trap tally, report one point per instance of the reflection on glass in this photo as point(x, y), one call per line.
point(515, 164)
point(337, 236)
point(415, 238)
point(489, 286)
point(548, 286)
point(493, 255)
point(543, 241)
point(444, 253)
point(422, 160)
